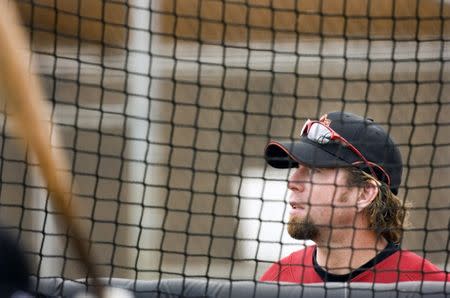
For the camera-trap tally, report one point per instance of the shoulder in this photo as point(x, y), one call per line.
point(410, 260)
point(415, 267)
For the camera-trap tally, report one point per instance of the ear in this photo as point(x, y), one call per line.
point(367, 194)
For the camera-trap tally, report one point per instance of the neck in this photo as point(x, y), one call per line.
point(345, 250)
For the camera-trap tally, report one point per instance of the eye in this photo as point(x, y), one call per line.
point(315, 171)
point(308, 171)
point(316, 175)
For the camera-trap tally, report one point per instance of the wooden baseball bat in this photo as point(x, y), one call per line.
point(24, 97)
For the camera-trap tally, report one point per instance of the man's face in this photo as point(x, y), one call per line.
point(321, 202)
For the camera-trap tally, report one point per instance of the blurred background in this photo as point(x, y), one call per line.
point(165, 108)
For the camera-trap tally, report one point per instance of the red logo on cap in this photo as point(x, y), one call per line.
point(325, 120)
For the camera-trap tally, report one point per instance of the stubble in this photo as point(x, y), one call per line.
point(302, 229)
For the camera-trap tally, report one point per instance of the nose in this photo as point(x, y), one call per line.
point(298, 179)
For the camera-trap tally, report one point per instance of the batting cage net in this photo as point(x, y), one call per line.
point(165, 108)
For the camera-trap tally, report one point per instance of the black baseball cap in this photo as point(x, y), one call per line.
point(370, 139)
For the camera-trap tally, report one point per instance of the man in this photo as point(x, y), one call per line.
point(343, 197)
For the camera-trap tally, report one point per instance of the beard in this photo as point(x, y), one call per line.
point(302, 229)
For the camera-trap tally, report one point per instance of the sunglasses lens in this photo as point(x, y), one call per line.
point(319, 133)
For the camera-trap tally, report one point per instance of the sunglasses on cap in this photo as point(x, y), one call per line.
point(321, 133)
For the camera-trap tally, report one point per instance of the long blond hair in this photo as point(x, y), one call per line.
point(387, 213)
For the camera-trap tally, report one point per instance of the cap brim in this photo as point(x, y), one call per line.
point(289, 154)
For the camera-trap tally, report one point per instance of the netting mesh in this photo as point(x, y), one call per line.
point(165, 108)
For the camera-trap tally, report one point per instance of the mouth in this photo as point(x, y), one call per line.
point(295, 206)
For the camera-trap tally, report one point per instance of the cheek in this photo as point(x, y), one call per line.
point(320, 204)
point(331, 205)
point(344, 211)
point(323, 194)
point(321, 215)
